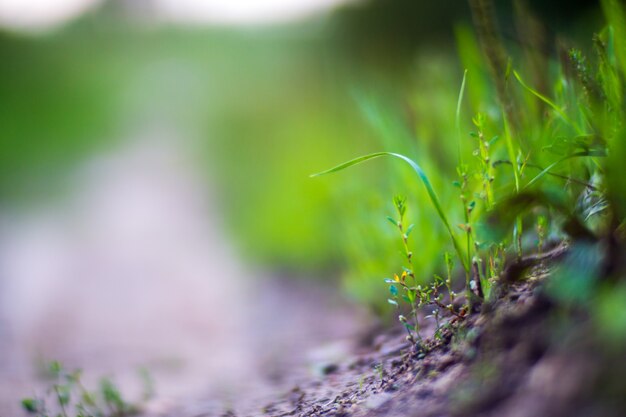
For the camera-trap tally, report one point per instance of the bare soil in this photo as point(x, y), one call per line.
point(522, 355)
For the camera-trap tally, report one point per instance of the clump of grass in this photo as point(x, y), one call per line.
point(563, 173)
point(70, 398)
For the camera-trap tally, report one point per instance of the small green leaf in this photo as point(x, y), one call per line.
point(394, 302)
point(31, 405)
point(112, 395)
point(393, 290)
point(55, 368)
point(74, 377)
point(392, 221)
point(88, 398)
point(409, 229)
point(63, 394)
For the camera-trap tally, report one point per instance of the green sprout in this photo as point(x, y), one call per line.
point(72, 399)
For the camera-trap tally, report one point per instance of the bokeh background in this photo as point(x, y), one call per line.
point(155, 204)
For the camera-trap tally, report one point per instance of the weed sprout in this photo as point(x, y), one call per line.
point(72, 399)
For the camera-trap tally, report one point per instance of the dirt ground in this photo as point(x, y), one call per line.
point(522, 356)
point(133, 270)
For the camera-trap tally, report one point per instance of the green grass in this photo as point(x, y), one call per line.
point(425, 181)
point(553, 176)
point(268, 108)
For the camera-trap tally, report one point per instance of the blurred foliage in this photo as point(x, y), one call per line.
point(67, 396)
point(536, 155)
point(264, 107)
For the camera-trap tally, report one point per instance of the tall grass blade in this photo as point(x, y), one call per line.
point(423, 177)
point(547, 101)
point(457, 117)
point(511, 151)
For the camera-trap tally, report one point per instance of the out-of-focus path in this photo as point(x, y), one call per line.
point(133, 269)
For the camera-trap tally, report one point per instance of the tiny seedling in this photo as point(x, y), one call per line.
point(70, 397)
point(380, 371)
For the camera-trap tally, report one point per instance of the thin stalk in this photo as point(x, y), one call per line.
point(464, 184)
point(61, 400)
point(457, 118)
point(409, 256)
point(468, 240)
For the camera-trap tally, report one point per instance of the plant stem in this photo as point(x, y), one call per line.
point(60, 399)
point(409, 256)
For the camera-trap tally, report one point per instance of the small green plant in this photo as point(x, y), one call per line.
point(416, 295)
point(361, 382)
point(72, 399)
point(410, 291)
point(380, 371)
point(486, 171)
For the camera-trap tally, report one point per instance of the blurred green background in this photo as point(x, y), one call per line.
point(263, 107)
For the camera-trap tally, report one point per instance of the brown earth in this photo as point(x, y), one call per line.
point(522, 356)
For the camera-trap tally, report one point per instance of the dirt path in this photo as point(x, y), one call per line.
point(133, 269)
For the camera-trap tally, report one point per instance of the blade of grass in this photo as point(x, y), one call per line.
point(423, 177)
point(511, 151)
point(461, 163)
point(548, 102)
point(565, 158)
point(563, 177)
point(457, 117)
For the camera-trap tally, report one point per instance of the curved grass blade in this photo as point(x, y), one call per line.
point(423, 177)
point(547, 101)
point(350, 163)
point(563, 177)
point(565, 158)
